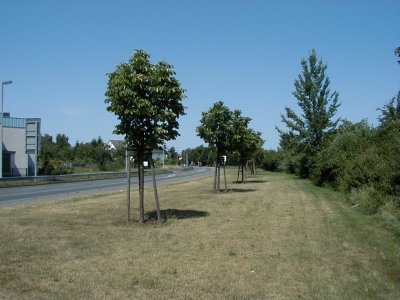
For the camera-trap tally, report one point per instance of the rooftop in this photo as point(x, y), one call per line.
point(14, 122)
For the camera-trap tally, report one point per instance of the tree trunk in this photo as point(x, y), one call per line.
point(242, 164)
point(246, 172)
point(155, 191)
point(238, 173)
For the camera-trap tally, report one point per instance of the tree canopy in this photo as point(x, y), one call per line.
point(147, 100)
point(391, 110)
point(215, 127)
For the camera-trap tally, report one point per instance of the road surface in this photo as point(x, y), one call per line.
point(26, 194)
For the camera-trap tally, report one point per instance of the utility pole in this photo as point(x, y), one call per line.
point(1, 129)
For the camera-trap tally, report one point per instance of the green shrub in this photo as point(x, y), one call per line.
point(359, 155)
point(335, 163)
point(363, 159)
point(390, 213)
point(368, 199)
point(272, 160)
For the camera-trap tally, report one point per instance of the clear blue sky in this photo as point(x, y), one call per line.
point(245, 53)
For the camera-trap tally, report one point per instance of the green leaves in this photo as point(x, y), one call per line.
point(391, 110)
point(228, 131)
point(308, 132)
point(216, 126)
point(147, 99)
point(245, 141)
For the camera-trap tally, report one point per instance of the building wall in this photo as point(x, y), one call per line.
point(21, 143)
point(14, 142)
point(157, 155)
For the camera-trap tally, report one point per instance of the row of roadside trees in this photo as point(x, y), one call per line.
point(228, 134)
point(147, 100)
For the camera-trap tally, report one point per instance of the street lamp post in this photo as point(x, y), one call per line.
point(1, 124)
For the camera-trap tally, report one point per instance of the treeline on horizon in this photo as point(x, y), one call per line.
point(57, 156)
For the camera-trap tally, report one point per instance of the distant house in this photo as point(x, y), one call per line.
point(115, 144)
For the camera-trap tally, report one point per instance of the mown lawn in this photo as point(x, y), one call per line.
point(275, 237)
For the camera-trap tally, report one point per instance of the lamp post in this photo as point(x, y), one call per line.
point(1, 124)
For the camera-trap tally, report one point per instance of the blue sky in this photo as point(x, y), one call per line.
point(245, 53)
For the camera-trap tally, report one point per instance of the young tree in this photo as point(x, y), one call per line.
point(244, 140)
point(63, 147)
point(47, 149)
point(99, 153)
point(216, 130)
point(47, 154)
point(147, 99)
point(308, 131)
point(173, 156)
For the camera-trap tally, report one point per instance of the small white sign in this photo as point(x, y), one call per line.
point(146, 163)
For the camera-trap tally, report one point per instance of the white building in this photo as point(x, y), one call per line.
point(114, 144)
point(21, 144)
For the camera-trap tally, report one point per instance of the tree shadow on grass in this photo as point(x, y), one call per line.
point(242, 190)
point(177, 214)
point(256, 181)
point(229, 190)
point(250, 181)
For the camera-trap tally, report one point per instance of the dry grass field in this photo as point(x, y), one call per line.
point(275, 237)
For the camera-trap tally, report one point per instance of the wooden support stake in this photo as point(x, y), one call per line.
point(128, 188)
point(141, 188)
point(155, 191)
point(219, 178)
point(215, 177)
point(226, 188)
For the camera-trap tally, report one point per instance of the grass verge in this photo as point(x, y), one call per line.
point(273, 237)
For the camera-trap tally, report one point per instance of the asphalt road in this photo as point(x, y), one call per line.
point(26, 194)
